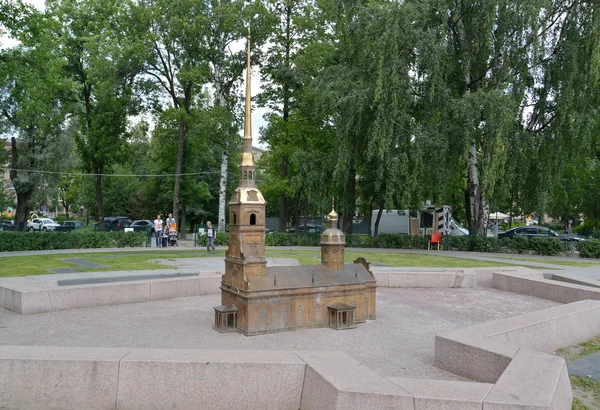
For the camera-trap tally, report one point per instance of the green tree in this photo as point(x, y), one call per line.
point(178, 65)
point(101, 48)
point(33, 104)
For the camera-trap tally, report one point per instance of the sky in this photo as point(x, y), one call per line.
point(257, 112)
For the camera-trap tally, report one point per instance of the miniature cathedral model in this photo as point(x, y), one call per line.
point(258, 300)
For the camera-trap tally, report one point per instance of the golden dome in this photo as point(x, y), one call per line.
point(333, 214)
point(247, 159)
point(333, 235)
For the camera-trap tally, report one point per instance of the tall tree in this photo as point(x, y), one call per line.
point(102, 49)
point(33, 105)
point(177, 63)
point(228, 23)
point(297, 26)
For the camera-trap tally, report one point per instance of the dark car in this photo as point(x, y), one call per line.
point(537, 232)
point(6, 225)
point(116, 223)
point(309, 229)
point(73, 224)
point(68, 226)
point(140, 225)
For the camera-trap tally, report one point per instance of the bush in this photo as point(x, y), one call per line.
point(454, 243)
point(517, 244)
point(222, 239)
point(359, 241)
point(401, 241)
point(547, 246)
point(24, 241)
point(590, 248)
point(483, 244)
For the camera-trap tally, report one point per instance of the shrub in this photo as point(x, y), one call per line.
point(23, 241)
point(483, 244)
point(590, 248)
point(547, 246)
point(222, 239)
point(401, 241)
point(454, 243)
point(518, 244)
point(359, 241)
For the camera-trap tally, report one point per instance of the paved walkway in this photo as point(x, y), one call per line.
point(400, 342)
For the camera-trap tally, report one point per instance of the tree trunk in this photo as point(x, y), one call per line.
point(98, 171)
point(305, 214)
point(23, 193)
point(183, 225)
point(296, 215)
point(223, 188)
point(371, 206)
point(22, 210)
point(378, 220)
point(349, 202)
point(282, 212)
point(474, 205)
point(220, 100)
point(176, 188)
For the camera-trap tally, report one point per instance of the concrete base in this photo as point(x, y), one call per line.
point(414, 278)
point(534, 284)
point(30, 297)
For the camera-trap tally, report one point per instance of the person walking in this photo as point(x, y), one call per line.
point(210, 236)
point(171, 223)
point(158, 229)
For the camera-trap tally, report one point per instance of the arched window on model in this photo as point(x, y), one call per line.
point(252, 219)
point(250, 175)
point(245, 175)
point(235, 219)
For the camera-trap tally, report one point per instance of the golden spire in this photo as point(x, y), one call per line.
point(333, 216)
point(248, 123)
point(247, 169)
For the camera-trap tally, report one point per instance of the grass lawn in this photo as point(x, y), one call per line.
point(40, 264)
point(388, 258)
point(551, 261)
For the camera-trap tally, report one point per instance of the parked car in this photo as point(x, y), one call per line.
point(42, 224)
point(115, 223)
point(309, 229)
point(68, 226)
point(6, 225)
point(141, 224)
point(534, 231)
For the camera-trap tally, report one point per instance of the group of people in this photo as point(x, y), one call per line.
point(162, 232)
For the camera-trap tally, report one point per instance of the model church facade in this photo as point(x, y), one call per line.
point(257, 299)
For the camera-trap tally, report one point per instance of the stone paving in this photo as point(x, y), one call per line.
point(400, 343)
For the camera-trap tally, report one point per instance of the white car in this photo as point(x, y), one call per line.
point(42, 224)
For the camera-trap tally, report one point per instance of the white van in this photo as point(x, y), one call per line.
point(394, 221)
point(391, 222)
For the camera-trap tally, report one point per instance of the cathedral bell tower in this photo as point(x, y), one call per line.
point(246, 253)
point(333, 242)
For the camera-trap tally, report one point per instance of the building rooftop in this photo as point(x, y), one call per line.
point(294, 277)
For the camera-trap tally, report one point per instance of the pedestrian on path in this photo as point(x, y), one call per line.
point(171, 222)
point(210, 236)
point(158, 229)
